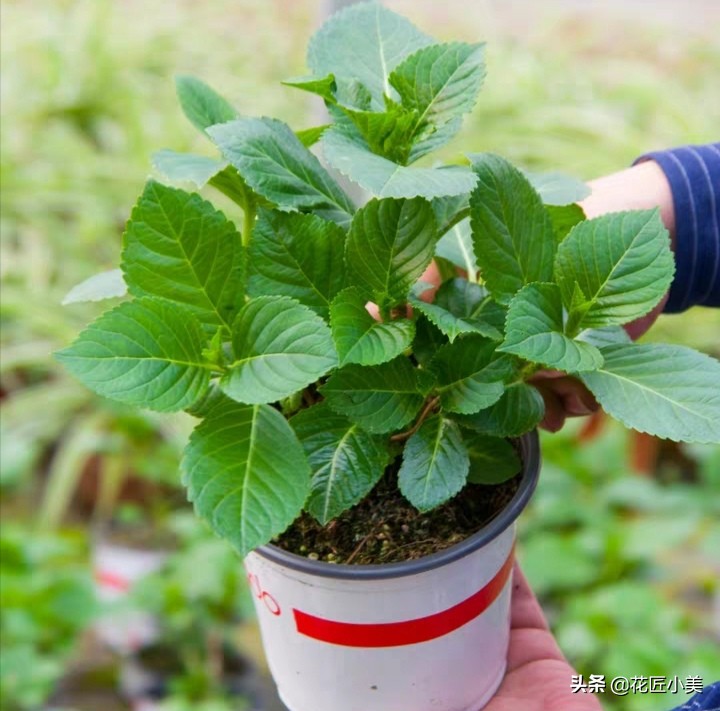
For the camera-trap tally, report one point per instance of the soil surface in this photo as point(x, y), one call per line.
point(385, 528)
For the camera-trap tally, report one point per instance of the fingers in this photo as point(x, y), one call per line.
point(530, 636)
point(525, 608)
point(564, 396)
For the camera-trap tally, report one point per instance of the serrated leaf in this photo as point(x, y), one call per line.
point(457, 247)
point(179, 247)
point(145, 352)
point(520, 409)
point(557, 188)
point(390, 244)
point(435, 464)
point(564, 218)
point(440, 82)
point(470, 374)
point(296, 255)
point(365, 42)
point(280, 347)
point(386, 133)
point(345, 461)
point(608, 336)
point(493, 460)
point(534, 331)
point(380, 398)
point(666, 391)
point(428, 338)
point(433, 138)
point(310, 136)
point(186, 167)
point(463, 307)
point(202, 105)
point(230, 184)
point(512, 233)
point(449, 211)
point(105, 285)
point(359, 338)
point(383, 178)
point(323, 86)
point(247, 487)
point(276, 165)
point(622, 264)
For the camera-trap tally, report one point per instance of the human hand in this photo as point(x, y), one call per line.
point(538, 676)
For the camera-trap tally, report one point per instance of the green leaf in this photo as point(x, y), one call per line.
point(463, 307)
point(433, 138)
point(440, 82)
point(386, 133)
point(384, 178)
point(323, 86)
point(428, 338)
point(179, 247)
point(145, 352)
point(534, 331)
point(449, 211)
point(666, 391)
point(230, 184)
point(186, 167)
point(435, 464)
point(280, 347)
point(345, 461)
point(564, 218)
point(456, 246)
point(470, 374)
point(202, 105)
point(359, 338)
point(105, 285)
point(380, 398)
point(310, 136)
point(297, 255)
point(276, 165)
point(364, 42)
point(493, 460)
point(246, 474)
point(512, 233)
point(557, 188)
point(391, 243)
point(520, 409)
point(608, 336)
point(622, 264)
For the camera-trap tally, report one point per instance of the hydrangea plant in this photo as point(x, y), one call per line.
point(262, 330)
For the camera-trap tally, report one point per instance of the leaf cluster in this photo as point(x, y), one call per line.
point(264, 333)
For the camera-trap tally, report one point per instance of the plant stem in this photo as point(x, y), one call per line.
point(429, 406)
point(248, 223)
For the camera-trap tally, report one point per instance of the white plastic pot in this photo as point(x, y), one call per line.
point(425, 635)
point(116, 569)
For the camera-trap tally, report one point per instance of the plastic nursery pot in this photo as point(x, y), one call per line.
point(424, 635)
point(117, 566)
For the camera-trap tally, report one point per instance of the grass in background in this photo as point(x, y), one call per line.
point(87, 96)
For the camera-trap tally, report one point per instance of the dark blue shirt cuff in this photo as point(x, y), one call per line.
point(694, 176)
point(707, 700)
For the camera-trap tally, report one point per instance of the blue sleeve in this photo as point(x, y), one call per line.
point(694, 176)
point(707, 700)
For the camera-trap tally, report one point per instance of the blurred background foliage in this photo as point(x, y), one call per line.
point(622, 539)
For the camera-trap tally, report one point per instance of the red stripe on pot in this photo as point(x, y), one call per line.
point(106, 579)
point(398, 634)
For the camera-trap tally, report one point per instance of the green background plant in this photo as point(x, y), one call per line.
point(579, 91)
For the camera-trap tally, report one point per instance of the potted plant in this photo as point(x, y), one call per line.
point(198, 599)
point(370, 470)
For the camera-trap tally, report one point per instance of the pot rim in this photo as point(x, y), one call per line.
point(530, 453)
